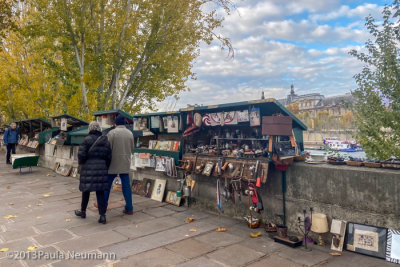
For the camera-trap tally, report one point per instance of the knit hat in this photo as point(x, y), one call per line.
point(120, 120)
point(94, 126)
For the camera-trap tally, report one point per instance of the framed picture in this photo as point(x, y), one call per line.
point(338, 230)
point(158, 190)
point(145, 188)
point(255, 117)
point(66, 170)
point(136, 185)
point(366, 239)
point(173, 199)
point(393, 246)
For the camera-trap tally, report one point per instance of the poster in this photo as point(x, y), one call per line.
point(173, 124)
point(255, 117)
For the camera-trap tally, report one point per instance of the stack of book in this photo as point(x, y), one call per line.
point(164, 145)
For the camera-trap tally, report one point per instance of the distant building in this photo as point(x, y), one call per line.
point(313, 103)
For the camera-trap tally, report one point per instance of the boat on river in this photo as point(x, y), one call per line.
point(334, 143)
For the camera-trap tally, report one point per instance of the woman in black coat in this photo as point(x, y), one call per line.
point(94, 157)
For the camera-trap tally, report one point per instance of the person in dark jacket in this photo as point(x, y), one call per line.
point(94, 158)
point(11, 140)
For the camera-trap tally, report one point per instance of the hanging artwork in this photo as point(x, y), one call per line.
point(243, 116)
point(173, 124)
point(63, 126)
point(393, 246)
point(366, 239)
point(207, 120)
point(155, 122)
point(160, 164)
point(231, 118)
point(165, 122)
point(214, 119)
point(255, 117)
point(135, 124)
point(158, 190)
point(142, 124)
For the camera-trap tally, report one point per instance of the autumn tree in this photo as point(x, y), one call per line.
point(125, 54)
point(377, 110)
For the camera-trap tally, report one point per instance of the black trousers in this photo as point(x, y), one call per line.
point(10, 148)
point(100, 201)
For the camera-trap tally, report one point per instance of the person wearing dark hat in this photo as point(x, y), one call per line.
point(94, 156)
point(122, 145)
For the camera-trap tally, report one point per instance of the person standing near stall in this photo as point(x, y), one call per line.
point(122, 145)
point(11, 140)
point(94, 158)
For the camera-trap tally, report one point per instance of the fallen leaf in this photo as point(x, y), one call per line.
point(220, 229)
point(31, 248)
point(8, 187)
point(10, 203)
point(38, 217)
point(29, 206)
point(46, 195)
point(190, 219)
point(255, 235)
point(187, 235)
point(67, 220)
point(4, 249)
point(39, 204)
point(122, 199)
point(10, 216)
point(335, 254)
point(192, 230)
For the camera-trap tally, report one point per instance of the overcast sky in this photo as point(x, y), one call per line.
point(280, 42)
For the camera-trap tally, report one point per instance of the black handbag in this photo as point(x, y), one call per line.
point(284, 149)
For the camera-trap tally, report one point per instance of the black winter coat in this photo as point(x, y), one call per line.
point(93, 176)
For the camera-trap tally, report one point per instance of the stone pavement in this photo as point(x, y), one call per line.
point(158, 234)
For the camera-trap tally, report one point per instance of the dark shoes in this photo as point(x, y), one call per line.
point(127, 212)
point(102, 219)
point(80, 213)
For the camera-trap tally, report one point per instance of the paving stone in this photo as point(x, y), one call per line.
point(274, 261)
point(18, 245)
point(158, 257)
point(138, 217)
point(235, 255)
point(151, 204)
point(112, 205)
point(262, 244)
point(53, 237)
point(149, 242)
point(219, 239)
point(159, 212)
point(17, 234)
point(148, 227)
point(95, 227)
point(81, 262)
point(303, 257)
point(190, 248)
point(91, 242)
point(202, 261)
point(42, 256)
point(349, 259)
point(10, 263)
point(176, 208)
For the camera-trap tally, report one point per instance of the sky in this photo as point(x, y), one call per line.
point(278, 43)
